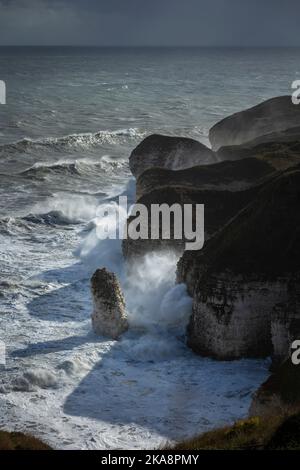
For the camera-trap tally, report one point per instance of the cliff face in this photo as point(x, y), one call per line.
point(243, 302)
point(224, 187)
point(239, 167)
point(232, 317)
point(223, 176)
point(285, 324)
point(243, 273)
point(272, 116)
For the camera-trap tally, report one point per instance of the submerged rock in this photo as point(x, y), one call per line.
point(109, 314)
point(270, 117)
point(173, 153)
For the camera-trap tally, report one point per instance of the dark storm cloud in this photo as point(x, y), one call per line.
point(156, 22)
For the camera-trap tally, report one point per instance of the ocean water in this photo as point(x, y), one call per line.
point(71, 120)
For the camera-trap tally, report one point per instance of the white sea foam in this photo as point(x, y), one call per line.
point(32, 379)
point(153, 300)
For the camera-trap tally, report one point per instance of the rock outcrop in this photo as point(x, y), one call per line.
point(243, 273)
point(220, 207)
point(270, 117)
point(240, 282)
point(224, 188)
point(280, 155)
point(173, 153)
point(109, 314)
point(224, 176)
point(176, 170)
point(292, 134)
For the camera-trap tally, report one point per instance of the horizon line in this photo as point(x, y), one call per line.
point(174, 46)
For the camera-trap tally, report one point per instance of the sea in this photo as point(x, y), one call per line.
point(71, 119)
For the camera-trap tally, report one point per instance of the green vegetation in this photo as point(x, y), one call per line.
point(19, 441)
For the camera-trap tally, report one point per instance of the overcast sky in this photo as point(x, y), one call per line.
point(150, 22)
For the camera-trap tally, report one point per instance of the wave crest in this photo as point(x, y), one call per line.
point(81, 140)
point(52, 218)
point(78, 167)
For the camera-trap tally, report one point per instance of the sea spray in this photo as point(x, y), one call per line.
point(96, 253)
point(158, 310)
point(68, 208)
point(154, 302)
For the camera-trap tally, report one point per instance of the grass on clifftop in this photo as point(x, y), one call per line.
point(255, 433)
point(19, 441)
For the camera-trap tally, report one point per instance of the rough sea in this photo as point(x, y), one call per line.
point(72, 117)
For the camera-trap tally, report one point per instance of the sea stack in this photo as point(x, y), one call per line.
point(109, 315)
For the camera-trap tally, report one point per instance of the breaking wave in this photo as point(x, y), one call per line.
point(51, 218)
point(80, 141)
point(12, 225)
point(62, 209)
point(75, 168)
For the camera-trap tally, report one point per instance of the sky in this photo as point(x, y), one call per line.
point(150, 22)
